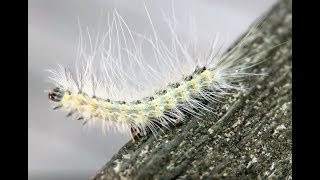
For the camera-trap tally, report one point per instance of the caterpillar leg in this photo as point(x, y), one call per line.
point(135, 135)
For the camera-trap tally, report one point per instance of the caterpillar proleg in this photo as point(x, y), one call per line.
point(115, 85)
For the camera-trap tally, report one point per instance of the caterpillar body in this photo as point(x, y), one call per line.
point(113, 94)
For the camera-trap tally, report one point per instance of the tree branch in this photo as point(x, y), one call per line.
point(247, 137)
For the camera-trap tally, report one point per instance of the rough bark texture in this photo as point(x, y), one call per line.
point(247, 137)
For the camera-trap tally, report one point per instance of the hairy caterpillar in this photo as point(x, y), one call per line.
point(115, 95)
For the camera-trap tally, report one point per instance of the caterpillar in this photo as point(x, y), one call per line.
point(116, 85)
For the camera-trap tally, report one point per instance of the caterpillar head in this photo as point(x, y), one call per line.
point(56, 94)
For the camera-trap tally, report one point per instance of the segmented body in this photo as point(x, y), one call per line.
point(81, 95)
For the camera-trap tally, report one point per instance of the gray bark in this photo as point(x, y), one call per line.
point(246, 137)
